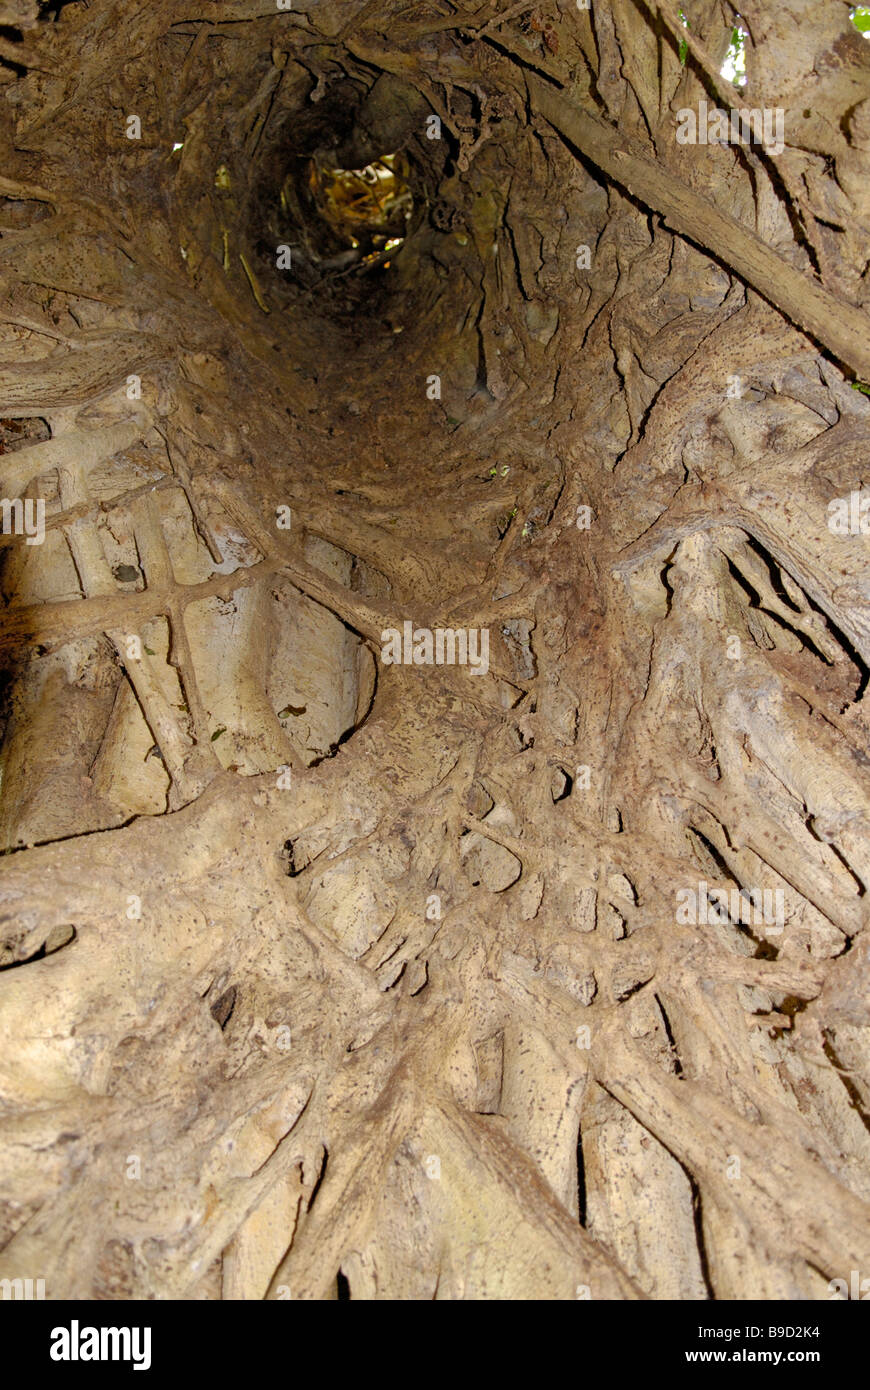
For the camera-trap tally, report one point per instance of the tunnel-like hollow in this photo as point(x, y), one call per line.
point(327, 966)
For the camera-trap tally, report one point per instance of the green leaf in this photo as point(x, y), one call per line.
point(861, 386)
point(217, 733)
point(684, 47)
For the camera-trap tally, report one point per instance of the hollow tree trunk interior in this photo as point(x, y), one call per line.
point(436, 625)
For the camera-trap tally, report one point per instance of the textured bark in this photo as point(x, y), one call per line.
point(323, 975)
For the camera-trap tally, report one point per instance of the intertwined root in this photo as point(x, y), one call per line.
point(547, 980)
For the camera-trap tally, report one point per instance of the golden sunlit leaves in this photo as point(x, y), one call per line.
point(368, 208)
